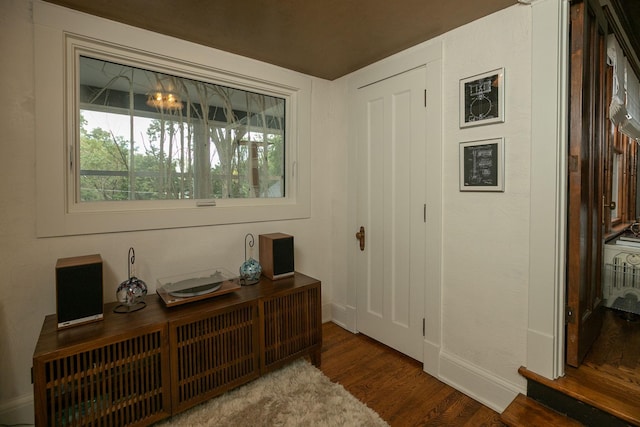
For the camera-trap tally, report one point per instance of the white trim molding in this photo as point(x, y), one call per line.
point(545, 335)
point(477, 383)
point(18, 411)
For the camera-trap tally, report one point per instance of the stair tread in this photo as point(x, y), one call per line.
point(524, 412)
point(605, 393)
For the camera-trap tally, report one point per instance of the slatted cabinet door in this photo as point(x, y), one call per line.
point(292, 326)
point(119, 382)
point(212, 353)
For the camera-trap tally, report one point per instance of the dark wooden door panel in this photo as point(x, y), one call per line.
point(587, 105)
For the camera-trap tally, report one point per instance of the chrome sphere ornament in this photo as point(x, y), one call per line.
point(131, 292)
point(250, 270)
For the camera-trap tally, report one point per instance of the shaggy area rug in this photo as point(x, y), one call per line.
point(296, 395)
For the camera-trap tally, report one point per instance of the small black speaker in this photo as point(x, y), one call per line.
point(79, 290)
point(276, 255)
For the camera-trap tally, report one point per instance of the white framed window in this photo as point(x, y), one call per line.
point(143, 135)
point(135, 131)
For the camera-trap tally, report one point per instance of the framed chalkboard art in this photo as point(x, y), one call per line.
point(482, 99)
point(482, 165)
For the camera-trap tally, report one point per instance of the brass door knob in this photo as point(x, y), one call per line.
point(360, 237)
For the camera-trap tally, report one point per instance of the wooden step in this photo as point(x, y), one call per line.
point(526, 412)
point(596, 396)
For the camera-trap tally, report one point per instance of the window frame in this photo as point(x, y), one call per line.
point(61, 36)
point(78, 47)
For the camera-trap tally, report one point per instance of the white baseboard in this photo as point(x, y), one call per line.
point(326, 313)
point(539, 347)
point(18, 411)
point(477, 383)
point(344, 316)
point(431, 358)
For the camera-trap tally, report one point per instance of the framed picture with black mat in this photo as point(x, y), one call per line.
point(482, 99)
point(482, 165)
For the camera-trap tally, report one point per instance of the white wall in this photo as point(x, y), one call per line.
point(480, 333)
point(486, 245)
point(27, 263)
point(485, 251)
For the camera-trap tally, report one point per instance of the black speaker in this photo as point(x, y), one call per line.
point(79, 290)
point(276, 255)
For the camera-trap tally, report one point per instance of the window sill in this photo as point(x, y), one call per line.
point(616, 230)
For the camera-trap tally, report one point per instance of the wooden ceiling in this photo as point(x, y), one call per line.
point(628, 13)
point(322, 38)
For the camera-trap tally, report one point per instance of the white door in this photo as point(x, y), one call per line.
point(390, 271)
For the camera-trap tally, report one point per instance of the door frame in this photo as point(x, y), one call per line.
point(429, 56)
point(548, 224)
point(588, 133)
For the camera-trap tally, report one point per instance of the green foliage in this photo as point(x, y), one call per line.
point(102, 152)
point(162, 166)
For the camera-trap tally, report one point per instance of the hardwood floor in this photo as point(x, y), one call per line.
point(616, 352)
point(609, 377)
point(612, 367)
point(395, 386)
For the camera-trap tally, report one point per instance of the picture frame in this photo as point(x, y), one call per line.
point(482, 99)
point(482, 165)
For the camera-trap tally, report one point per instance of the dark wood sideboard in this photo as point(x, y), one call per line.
point(138, 368)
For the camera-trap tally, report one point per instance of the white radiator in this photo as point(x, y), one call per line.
point(621, 276)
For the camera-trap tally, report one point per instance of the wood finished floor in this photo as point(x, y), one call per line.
point(611, 368)
point(395, 386)
point(609, 377)
point(616, 352)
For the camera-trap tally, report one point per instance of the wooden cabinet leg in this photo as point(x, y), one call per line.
point(316, 358)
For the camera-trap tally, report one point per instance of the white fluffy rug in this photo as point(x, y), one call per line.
point(296, 395)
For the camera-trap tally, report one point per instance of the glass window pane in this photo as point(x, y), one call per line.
point(146, 135)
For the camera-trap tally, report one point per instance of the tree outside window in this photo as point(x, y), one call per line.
point(146, 135)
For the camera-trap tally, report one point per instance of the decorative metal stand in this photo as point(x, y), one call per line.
point(131, 292)
point(250, 269)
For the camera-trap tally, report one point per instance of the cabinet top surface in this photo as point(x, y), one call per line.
point(155, 315)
